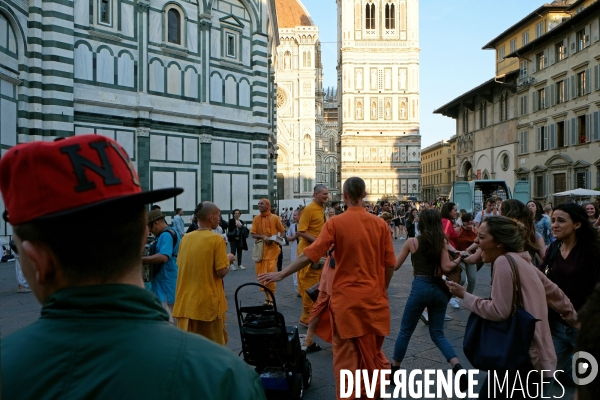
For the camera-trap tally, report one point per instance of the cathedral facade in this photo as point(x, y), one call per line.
point(299, 101)
point(378, 94)
point(186, 87)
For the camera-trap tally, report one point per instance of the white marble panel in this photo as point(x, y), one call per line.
point(109, 133)
point(414, 154)
point(161, 180)
point(231, 153)
point(192, 37)
point(81, 12)
point(157, 76)
point(105, 71)
point(187, 181)
point(83, 63)
point(83, 130)
point(174, 150)
point(7, 89)
point(222, 190)
point(244, 94)
point(174, 79)
point(190, 83)
point(216, 88)
point(239, 184)
point(244, 153)
point(3, 31)
point(230, 90)
point(155, 27)
point(127, 19)
point(190, 150)
point(125, 74)
point(217, 152)
point(127, 141)
point(158, 147)
point(237, 11)
point(8, 122)
point(245, 56)
point(215, 41)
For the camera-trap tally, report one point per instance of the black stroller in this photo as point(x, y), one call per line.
point(273, 349)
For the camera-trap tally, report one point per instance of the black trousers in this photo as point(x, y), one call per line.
point(235, 249)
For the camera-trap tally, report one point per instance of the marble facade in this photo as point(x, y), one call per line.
point(170, 92)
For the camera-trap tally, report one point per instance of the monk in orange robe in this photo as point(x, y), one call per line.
point(358, 305)
point(264, 227)
point(309, 228)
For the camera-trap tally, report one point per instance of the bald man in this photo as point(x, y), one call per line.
point(203, 262)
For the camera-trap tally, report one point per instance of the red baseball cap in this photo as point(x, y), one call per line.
point(42, 180)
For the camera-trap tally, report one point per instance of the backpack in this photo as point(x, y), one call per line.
point(156, 268)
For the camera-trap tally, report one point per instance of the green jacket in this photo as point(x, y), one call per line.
point(115, 342)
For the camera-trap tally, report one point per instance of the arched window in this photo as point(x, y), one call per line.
point(174, 26)
point(390, 16)
point(306, 59)
point(331, 144)
point(370, 16)
point(331, 178)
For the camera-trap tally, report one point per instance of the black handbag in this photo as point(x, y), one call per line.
point(490, 345)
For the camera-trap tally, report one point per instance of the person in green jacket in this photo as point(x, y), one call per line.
point(79, 221)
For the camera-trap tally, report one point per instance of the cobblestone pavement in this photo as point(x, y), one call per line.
point(19, 310)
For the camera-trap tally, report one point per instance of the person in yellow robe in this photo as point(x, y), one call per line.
point(200, 303)
point(309, 228)
point(264, 227)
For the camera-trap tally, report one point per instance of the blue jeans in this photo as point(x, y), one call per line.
point(424, 293)
point(564, 339)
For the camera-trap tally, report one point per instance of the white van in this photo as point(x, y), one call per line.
point(471, 195)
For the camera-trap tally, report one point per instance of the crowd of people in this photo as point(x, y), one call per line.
point(104, 333)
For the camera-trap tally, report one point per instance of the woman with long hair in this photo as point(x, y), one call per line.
point(573, 263)
point(541, 221)
point(428, 252)
point(534, 243)
point(591, 209)
point(411, 223)
point(236, 234)
point(449, 213)
point(499, 239)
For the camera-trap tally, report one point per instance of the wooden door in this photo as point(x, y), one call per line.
point(560, 185)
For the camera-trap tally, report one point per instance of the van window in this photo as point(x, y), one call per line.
point(484, 190)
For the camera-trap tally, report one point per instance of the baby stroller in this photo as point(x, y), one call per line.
point(273, 349)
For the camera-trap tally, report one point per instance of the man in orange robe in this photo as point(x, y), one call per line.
point(309, 228)
point(264, 226)
point(358, 307)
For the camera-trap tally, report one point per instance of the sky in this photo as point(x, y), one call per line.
point(452, 62)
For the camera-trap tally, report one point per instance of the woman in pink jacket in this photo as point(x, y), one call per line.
point(499, 238)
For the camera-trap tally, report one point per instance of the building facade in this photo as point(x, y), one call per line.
point(378, 94)
point(186, 88)
point(328, 146)
point(437, 166)
point(559, 92)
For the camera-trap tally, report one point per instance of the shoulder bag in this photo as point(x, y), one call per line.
point(453, 275)
point(490, 345)
point(257, 251)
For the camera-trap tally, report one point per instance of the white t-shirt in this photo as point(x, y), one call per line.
point(294, 243)
point(485, 215)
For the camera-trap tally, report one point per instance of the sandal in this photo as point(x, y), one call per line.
point(313, 348)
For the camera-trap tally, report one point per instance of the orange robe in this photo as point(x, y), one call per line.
point(324, 329)
point(200, 303)
point(358, 306)
point(311, 222)
point(268, 224)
